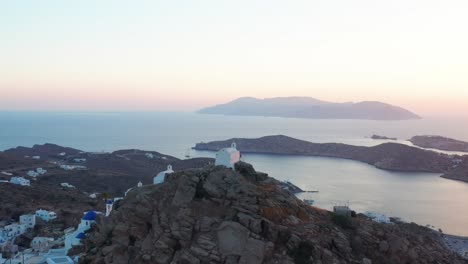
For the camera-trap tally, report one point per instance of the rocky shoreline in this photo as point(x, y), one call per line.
point(387, 156)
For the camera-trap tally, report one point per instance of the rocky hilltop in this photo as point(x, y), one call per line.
point(441, 143)
point(388, 156)
point(307, 107)
point(217, 215)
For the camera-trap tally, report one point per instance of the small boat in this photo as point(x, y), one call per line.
point(309, 201)
point(312, 191)
point(187, 153)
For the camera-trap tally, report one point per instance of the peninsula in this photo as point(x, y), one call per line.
point(440, 143)
point(388, 156)
point(307, 107)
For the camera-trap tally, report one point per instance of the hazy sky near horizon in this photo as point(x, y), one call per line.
point(182, 55)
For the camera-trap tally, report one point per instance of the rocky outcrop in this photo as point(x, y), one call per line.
point(217, 215)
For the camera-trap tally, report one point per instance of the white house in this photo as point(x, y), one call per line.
point(20, 181)
point(62, 154)
point(140, 184)
point(46, 215)
point(42, 243)
point(41, 171)
point(32, 173)
point(37, 172)
point(79, 160)
point(162, 175)
point(149, 155)
point(28, 219)
point(14, 229)
point(228, 156)
point(74, 237)
point(66, 185)
point(36, 157)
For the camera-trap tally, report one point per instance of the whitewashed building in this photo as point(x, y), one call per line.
point(66, 185)
point(228, 156)
point(20, 181)
point(161, 177)
point(149, 155)
point(42, 243)
point(41, 171)
point(36, 157)
point(32, 173)
point(28, 219)
point(74, 237)
point(14, 229)
point(46, 215)
point(79, 160)
point(37, 172)
point(109, 206)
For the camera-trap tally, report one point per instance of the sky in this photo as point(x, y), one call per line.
point(182, 55)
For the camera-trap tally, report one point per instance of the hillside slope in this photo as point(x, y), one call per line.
point(216, 215)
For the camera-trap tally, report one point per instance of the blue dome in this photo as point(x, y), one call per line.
point(80, 236)
point(90, 216)
point(110, 202)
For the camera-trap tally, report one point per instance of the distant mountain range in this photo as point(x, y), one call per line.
point(307, 107)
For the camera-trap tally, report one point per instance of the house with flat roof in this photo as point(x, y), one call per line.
point(46, 215)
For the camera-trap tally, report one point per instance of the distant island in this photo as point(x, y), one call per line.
point(378, 137)
point(307, 107)
point(388, 156)
point(440, 143)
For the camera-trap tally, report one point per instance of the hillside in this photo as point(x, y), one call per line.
point(306, 107)
point(217, 215)
point(111, 173)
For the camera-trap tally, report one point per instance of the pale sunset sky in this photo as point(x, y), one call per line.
point(114, 55)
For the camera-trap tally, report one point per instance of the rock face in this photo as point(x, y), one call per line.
point(307, 107)
point(441, 143)
point(217, 215)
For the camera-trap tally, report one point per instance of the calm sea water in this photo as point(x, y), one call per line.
point(420, 197)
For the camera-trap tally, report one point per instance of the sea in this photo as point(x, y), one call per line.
point(423, 198)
